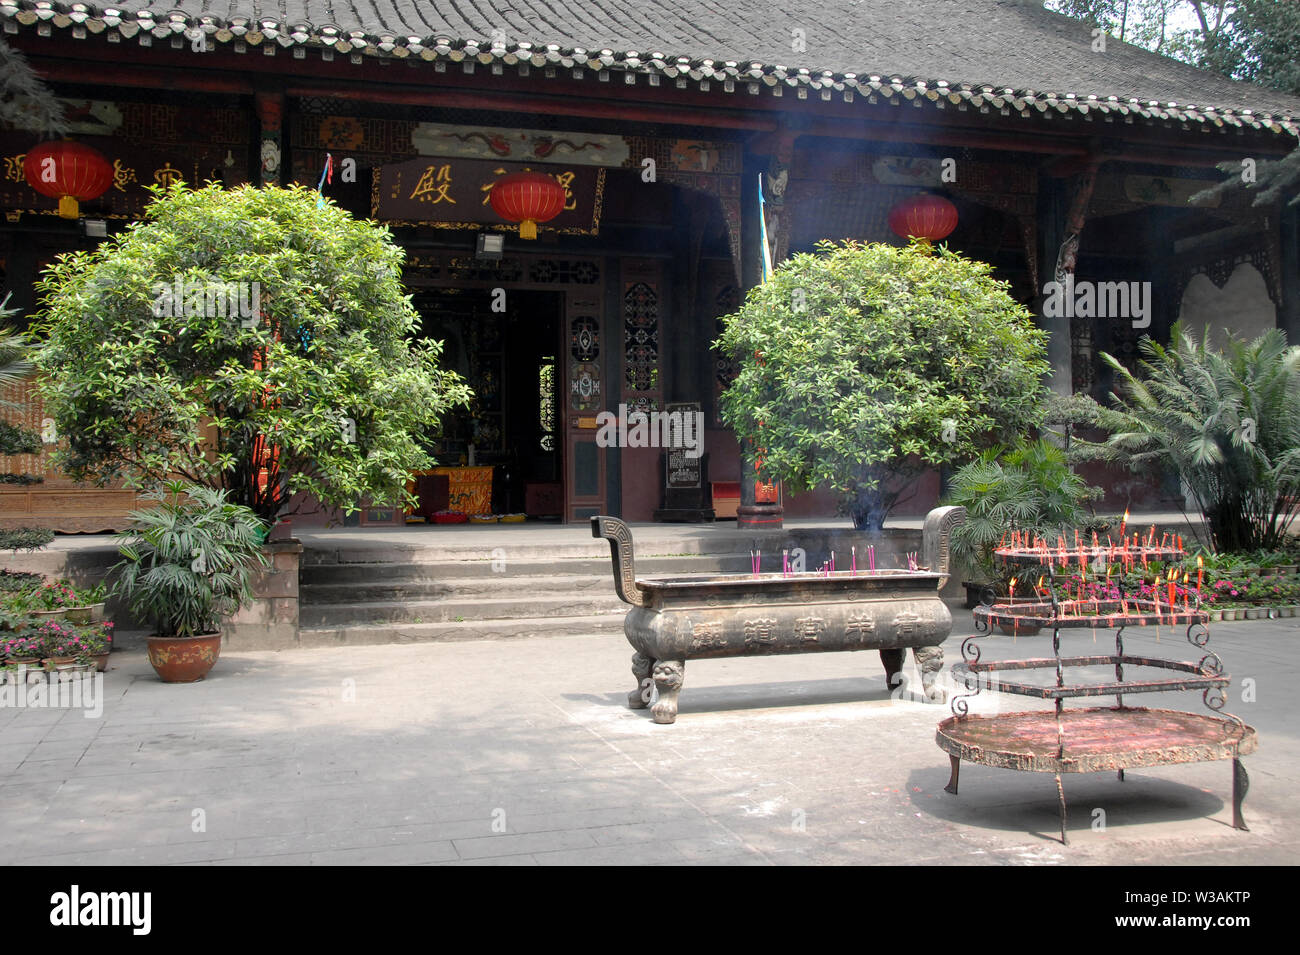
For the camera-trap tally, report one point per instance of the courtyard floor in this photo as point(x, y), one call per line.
point(524, 752)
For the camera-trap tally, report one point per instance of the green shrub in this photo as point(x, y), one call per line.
point(862, 366)
point(1228, 422)
point(292, 331)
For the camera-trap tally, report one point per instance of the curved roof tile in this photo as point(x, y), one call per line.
point(988, 53)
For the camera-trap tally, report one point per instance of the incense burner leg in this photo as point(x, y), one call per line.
point(1121, 775)
point(642, 666)
point(1240, 785)
point(1060, 799)
point(955, 762)
point(929, 660)
point(668, 676)
point(893, 661)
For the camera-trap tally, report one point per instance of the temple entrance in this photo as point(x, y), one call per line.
point(508, 348)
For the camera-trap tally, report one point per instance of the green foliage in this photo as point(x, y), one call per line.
point(1227, 421)
point(863, 365)
point(14, 363)
point(26, 102)
point(18, 581)
point(1252, 40)
point(326, 373)
point(25, 538)
point(14, 440)
point(187, 562)
point(1028, 488)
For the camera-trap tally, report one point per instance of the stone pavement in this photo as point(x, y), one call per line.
point(524, 752)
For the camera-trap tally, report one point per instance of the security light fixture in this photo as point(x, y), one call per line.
point(94, 228)
point(490, 246)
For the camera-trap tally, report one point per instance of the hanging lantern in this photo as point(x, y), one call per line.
point(923, 216)
point(528, 198)
point(69, 172)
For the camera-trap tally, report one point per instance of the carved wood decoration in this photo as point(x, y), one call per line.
point(1067, 257)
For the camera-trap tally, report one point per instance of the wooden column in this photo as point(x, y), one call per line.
point(751, 513)
point(1062, 214)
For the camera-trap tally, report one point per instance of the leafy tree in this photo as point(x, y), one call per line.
point(863, 365)
point(1252, 40)
point(1227, 421)
point(250, 340)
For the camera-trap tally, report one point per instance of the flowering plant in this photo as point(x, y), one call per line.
point(54, 596)
point(56, 639)
point(22, 647)
point(89, 639)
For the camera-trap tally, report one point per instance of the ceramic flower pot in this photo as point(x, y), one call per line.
point(1229, 615)
point(101, 661)
point(184, 659)
point(44, 615)
point(91, 613)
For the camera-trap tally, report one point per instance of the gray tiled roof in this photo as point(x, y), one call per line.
point(1000, 53)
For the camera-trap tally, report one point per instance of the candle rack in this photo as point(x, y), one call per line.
point(1094, 739)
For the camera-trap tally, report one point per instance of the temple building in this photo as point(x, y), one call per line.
point(1068, 158)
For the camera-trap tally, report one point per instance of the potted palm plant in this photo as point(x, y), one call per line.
point(1029, 488)
point(187, 563)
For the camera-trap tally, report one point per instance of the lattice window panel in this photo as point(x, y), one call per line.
point(640, 338)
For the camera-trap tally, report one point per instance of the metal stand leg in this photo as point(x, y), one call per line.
point(1060, 798)
point(1240, 785)
point(955, 762)
point(1121, 775)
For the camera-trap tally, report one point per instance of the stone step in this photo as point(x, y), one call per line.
point(604, 625)
point(384, 588)
point(576, 543)
point(484, 568)
point(457, 610)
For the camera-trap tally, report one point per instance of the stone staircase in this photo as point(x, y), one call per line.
point(359, 602)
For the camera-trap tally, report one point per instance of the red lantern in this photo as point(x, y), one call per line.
point(924, 216)
point(69, 172)
point(528, 198)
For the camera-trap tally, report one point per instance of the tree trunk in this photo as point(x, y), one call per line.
point(869, 511)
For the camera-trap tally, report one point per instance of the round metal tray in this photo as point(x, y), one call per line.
point(1093, 740)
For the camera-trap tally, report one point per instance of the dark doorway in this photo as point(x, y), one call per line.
point(508, 349)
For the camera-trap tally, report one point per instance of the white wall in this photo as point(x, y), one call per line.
point(1242, 306)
